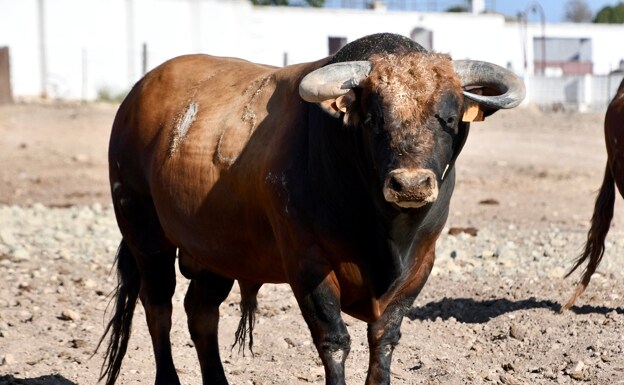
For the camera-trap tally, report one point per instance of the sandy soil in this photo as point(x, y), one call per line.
point(488, 314)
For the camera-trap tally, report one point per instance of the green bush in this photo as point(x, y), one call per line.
point(107, 94)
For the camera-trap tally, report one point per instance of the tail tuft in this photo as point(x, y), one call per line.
point(248, 306)
point(120, 325)
point(594, 247)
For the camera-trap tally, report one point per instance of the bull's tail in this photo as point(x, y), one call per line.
point(119, 327)
point(600, 224)
point(248, 306)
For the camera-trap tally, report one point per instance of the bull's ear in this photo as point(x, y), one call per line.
point(341, 104)
point(472, 112)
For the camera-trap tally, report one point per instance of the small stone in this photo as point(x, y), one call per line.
point(557, 272)
point(8, 359)
point(472, 231)
point(65, 254)
point(517, 331)
point(20, 254)
point(8, 238)
point(290, 342)
point(78, 343)
point(549, 373)
point(80, 158)
point(577, 371)
point(70, 315)
point(25, 316)
point(508, 379)
point(487, 253)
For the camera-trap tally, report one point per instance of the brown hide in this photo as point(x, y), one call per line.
point(215, 175)
point(603, 210)
point(614, 137)
point(210, 195)
point(221, 162)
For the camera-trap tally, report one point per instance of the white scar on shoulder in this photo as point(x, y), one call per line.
point(183, 124)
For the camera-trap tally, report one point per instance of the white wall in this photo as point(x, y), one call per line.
point(93, 44)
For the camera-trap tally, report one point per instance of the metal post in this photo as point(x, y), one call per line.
point(85, 90)
point(537, 8)
point(6, 95)
point(42, 49)
point(144, 58)
point(130, 40)
point(522, 22)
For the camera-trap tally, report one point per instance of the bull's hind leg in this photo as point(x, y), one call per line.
point(157, 288)
point(155, 259)
point(204, 295)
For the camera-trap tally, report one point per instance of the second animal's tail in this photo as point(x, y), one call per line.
point(120, 325)
point(594, 247)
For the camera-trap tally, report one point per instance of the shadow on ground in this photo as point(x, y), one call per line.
point(468, 310)
point(52, 379)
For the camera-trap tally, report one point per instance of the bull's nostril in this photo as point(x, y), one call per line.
point(411, 188)
point(395, 185)
point(424, 181)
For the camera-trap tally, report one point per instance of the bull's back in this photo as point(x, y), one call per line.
point(179, 111)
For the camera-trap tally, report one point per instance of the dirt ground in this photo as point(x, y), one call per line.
point(488, 314)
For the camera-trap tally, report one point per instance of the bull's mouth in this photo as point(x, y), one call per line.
point(411, 188)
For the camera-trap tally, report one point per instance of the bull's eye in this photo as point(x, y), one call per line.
point(448, 122)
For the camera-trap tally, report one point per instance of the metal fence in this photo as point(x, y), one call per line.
point(404, 5)
point(583, 93)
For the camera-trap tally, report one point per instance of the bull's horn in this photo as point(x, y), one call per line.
point(333, 80)
point(479, 73)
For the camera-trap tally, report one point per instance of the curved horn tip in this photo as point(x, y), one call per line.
point(480, 73)
point(333, 80)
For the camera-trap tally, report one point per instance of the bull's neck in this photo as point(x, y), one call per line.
point(340, 169)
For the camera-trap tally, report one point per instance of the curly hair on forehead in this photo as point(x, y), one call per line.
point(411, 84)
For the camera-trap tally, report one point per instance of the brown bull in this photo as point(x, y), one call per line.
point(603, 209)
point(333, 176)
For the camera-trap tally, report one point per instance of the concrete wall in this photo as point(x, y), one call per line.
point(91, 45)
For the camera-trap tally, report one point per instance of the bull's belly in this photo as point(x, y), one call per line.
point(224, 245)
point(235, 262)
point(222, 238)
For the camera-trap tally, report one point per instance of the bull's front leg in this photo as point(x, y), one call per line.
point(317, 293)
point(384, 334)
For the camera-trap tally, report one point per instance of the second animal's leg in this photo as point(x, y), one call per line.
point(205, 293)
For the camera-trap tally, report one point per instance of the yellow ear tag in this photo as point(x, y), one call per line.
point(472, 112)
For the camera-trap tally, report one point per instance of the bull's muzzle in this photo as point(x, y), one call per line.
point(411, 188)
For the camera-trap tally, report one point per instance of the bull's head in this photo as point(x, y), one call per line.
point(414, 109)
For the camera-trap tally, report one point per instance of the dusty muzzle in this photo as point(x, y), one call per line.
point(410, 188)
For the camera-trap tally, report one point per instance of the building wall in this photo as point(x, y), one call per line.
point(94, 45)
